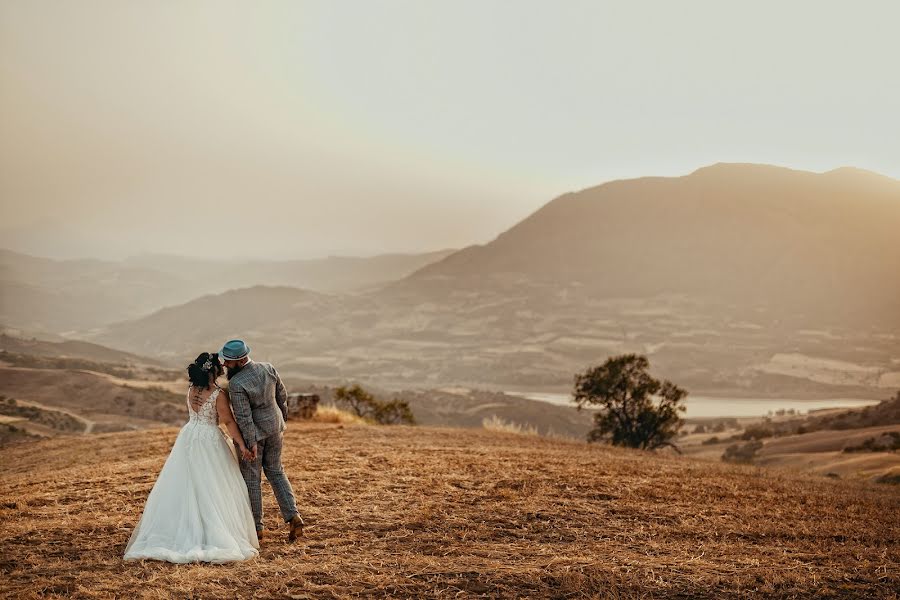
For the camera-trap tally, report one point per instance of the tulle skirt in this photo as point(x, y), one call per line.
point(198, 509)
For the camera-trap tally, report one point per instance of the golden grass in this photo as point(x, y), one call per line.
point(419, 512)
point(495, 423)
point(329, 413)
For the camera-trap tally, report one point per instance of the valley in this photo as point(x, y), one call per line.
point(735, 280)
point(753, 287)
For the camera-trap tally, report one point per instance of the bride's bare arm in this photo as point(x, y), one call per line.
point(223, 407)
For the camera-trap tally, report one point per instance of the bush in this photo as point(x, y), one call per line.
point(394, 412)
point(758, 431)
point(637, 410)
point(888, 442)
point(365, 405)
point(889, 478)
point(742, 453)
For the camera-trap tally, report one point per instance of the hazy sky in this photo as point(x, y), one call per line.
point(300, 129)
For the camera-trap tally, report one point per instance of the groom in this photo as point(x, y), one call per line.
point(258, 399)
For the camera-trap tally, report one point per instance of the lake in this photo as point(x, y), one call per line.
point(711, 406)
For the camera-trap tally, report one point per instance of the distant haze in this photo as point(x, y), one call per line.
point(736, 280)
point(303, 129)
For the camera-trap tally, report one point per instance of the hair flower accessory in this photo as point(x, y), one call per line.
point(207, 365)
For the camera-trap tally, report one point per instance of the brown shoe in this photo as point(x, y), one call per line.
point(296, 528)
point(260, 534)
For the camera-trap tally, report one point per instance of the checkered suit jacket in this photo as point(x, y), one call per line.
point(259, 402)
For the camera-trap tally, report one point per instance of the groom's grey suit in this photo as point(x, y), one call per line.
point(259, 402)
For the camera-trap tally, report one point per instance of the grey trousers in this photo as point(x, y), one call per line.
point(268, 459)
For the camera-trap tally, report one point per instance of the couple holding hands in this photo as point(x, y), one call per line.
point(206, 504)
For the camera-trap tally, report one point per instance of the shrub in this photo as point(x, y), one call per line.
point(889, 478)
point(887, 442)
point(394, 412)
point(366, 406)
point(742, 453)
point(637, 410)
point(757, 432)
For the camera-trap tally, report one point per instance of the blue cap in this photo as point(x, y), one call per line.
point(234, 350)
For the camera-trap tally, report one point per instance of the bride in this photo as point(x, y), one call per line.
point(198, 509)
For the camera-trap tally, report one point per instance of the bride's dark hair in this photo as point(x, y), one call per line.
point(199, 370)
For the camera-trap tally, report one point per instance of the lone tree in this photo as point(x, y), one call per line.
point(636, 410)
point(365, 405)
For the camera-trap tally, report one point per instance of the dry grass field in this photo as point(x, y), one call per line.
point(422, 512)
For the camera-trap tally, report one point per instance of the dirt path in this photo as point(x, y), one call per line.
point(88, 424)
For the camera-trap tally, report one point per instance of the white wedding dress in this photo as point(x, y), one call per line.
point(198, 509)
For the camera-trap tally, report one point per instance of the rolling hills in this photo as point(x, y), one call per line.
point(735, 280)
point(331, 275)
point(72, 349)
point(415, 512)
point(60, 388)
point(60, 296)
point(101, 402)
point(65, 296)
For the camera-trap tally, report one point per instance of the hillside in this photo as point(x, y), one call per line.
point(817, 453)
point(61, 296)
point(72, 349)
point(814, 443)
point(417, 512)
point(332, 274)
point(812, 246)
point(100, 402)
point(264, 314)
point(736, 280)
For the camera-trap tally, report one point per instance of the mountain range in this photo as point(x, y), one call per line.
point(734, 279)
point(823, 246)
point(48, 295)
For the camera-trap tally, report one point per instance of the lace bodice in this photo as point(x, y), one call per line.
point(207, 413)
